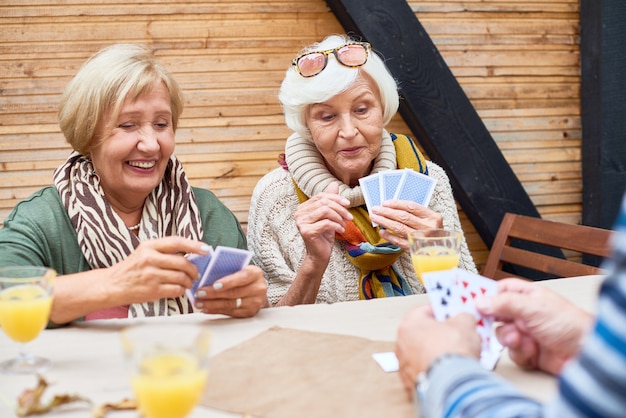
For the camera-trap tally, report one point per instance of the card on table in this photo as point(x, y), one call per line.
point(387, 361)
point(217, 264)
point(404, 184)
point(454, 291)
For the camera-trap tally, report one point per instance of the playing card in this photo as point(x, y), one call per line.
point(455, 291)
point(387, 361)
point(416, 187)
point(224, 261)
point(389, 182)
point(489, 356)
point(470, 286)
point(440, 290)
point(370, 186)
point(201, 262)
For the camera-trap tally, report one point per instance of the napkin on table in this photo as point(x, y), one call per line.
point(285, 372)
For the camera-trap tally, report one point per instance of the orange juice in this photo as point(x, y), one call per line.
point(24, 311)
point(434, 259)
point(168, 385)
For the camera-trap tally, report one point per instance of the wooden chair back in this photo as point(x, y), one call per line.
point(579, 238)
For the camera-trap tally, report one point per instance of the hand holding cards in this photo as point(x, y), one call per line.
point(403, 184)
point(215, 265)
point(454, 291)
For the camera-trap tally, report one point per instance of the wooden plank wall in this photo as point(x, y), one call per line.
point(518, 63)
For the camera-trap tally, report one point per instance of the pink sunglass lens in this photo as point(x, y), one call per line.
point(352, 55)
point(311, 64)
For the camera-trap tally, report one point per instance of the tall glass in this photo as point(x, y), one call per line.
point(434, 249)
point(168, 366)
point(25, 303)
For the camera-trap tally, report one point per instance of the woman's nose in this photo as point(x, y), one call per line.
point(148, 139)
point(348, 127)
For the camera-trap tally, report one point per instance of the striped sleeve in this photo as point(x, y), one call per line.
point(461, 387)
point(595, 384)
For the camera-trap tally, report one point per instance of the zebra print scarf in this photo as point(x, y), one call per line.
point(103, 237)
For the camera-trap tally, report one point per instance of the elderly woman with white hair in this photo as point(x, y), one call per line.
point(307, 222)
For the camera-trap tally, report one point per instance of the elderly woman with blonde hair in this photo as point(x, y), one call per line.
point(121, 213)
point(308, 227)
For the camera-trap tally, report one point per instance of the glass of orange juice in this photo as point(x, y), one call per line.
point(25, 303)
point(434, 249)
point(168, 366)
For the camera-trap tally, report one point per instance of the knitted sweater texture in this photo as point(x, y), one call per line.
point(279, 248)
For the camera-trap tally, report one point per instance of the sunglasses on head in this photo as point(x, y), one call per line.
point(350, 55)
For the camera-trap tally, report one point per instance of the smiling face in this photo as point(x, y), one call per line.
point(347, 130)
point(132, 157)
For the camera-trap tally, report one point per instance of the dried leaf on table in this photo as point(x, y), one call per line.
point(29, 402)
point(100, 411)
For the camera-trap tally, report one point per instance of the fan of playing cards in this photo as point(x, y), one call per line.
point(454, 291)
point(405, 184)
point(215, 265)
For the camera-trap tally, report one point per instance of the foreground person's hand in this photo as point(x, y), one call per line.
point(421, 339)
point(542, 330)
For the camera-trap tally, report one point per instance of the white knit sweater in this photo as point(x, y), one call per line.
point(279, 249)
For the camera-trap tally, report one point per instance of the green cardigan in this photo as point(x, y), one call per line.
point(39, 232)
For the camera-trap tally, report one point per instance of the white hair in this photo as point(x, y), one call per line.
point(297, 93)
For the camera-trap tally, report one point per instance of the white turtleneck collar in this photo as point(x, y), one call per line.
point(310, 173)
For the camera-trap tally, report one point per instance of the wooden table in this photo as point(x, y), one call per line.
point(88, 358)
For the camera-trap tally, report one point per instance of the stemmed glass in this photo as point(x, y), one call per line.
point(25, 303)
point(168, 366)
point(434, 249)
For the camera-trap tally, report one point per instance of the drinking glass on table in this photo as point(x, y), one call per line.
point(168, 366)
point(434, 249)
point(25, 303)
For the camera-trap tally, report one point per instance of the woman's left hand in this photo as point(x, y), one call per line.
point(399, 217)
point(241, 294)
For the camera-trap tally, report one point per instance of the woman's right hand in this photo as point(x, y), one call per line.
point(156, 269)
point(319, 219)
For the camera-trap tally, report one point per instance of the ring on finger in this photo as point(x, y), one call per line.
point(237, 303)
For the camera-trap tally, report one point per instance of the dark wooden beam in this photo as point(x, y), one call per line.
point(439, 113)
point(603, 98)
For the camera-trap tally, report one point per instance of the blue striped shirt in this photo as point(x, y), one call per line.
point(592, 385)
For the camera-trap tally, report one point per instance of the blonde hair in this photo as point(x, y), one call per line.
point(297, 93)
point(100, 87)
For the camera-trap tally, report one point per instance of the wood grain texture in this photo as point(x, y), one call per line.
point(439, 111)
point(507, 256)
point(518, 63)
